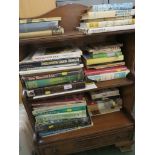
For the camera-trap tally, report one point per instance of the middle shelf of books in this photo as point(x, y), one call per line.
point(67, 86)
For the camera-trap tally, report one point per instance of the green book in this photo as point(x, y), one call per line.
point(103, 55)
point(53, 81)
point(67, 115)
point(51, 111)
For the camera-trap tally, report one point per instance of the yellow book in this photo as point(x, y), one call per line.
point(35, 34)
point(102, 60)
point(108, 23)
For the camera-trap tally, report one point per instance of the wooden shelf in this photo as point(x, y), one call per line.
point(101, 124)
point(68, 36)
point(100, 85)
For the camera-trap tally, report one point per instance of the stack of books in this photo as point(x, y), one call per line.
point(52, 70)
point(104, 62)
point(40, 27)
point(104, 101)
point(108, 17)
point(60, 115)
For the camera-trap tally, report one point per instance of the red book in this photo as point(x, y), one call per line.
point(105, 70)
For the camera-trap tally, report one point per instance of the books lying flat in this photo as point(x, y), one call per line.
point(106, 29)
point(39, 24)
point(109, 76)
point(55, 89)
point(104, 106)
point(88, 86)
point(49, 69)
point(91, 61)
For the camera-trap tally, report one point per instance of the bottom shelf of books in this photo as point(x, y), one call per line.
point(101, 123)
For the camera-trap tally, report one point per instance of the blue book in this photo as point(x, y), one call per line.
point(115, 6)
point(38, 26)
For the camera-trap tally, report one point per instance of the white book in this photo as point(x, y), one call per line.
point(107, 29)
point(49, 69)
point(107, 23)
point(67, 53)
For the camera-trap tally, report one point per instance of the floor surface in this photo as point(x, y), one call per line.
point(110, 150)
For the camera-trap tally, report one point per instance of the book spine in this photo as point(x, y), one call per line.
point(75, 122)
point(104, 60)
point(108, 76)
point(53, 81)
point(41, 33)
point(111, 13)
point(105, 55)
point(55, 89)
point(63, 110)
point(102, 71)
point(109, 23)
point(49, 69)
point(32, 27)
point(115, 6)
point(67, 55)
point(68, 115)
point(108, 29)
point(33, 64)
point(50, 75)
point(35, 34)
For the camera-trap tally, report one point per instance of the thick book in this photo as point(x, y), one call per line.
point(55, 54)
point(108, 14)
point(107, 48)
point(33, 64)
point(103, 71)
point(90, 61)
point(38, 26)
point(54, 81)
point(106, 65)
point(108, 76)
point(106, 29)
point(43, 33)
point(26, 21)
point(47, 69)
point(62, 110)
point(104, 93)
point(114, 6)
point(62, 124)
point(55, 89)
point(50, 75)
point(107, 23)
point(67, 115)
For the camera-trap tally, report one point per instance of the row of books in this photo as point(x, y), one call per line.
point(40, 27)
point(61, 115)
point(108, 17)
point(49, 70)
point(73, 112)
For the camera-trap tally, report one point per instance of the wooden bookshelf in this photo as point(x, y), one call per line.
point(110, 129)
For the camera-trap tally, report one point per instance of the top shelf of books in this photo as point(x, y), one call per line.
point(69, 36)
